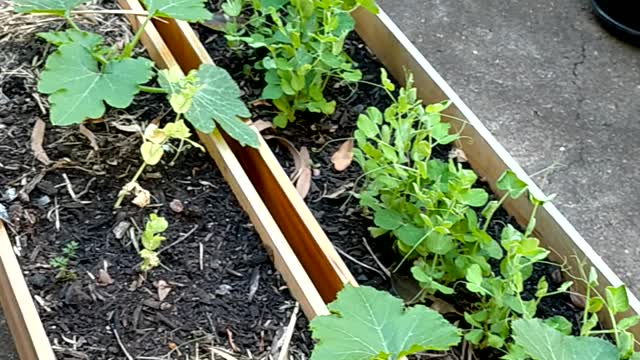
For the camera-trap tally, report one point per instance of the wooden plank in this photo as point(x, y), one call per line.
point(19, 309)
point(310, 243)
point(285, 259)
point(486, 155)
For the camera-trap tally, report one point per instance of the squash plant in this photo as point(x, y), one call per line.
point(84, 75)
point(305, 41)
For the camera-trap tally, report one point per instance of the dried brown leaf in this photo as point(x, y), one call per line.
point(104, 279)
point(163, 289)
point(90, 136)
point(343, 157)
point(133, 128)
point(37, 139)
point(458, 154)
point(441, 306)
point(303, 185)
point(261, 125)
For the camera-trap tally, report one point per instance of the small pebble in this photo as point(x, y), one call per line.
point(176, 205)
point(43, 200)
point(224, 289)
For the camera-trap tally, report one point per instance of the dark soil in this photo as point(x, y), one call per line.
point(329, 199)
point(211, 271)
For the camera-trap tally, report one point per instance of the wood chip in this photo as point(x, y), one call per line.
point(104, 279)
point(37, 139)
point(343, 157)
point(458, 154)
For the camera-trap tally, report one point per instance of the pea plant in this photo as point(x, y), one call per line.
point(84, 74)
point(424, 203)
point(305, 41)
point(151, 241)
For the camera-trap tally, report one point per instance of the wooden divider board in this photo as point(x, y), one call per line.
point(285, 260)
point(487, 157)
point(29, 337)
point(309, 242)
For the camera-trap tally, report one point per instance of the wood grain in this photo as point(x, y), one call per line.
point(309, 242)
point(285, 260)
point(18, 307)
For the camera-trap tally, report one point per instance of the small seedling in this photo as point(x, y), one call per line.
point(61, 262)
point(151, 241)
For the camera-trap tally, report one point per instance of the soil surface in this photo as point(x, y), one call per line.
point(329, 198)
point(217, 286)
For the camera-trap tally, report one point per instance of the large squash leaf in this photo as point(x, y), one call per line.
point(368, 324)
point(543, 342)
point(209, 96)
point(70, 36)
point(58, 7)
point(79, 86)
point(187, 10)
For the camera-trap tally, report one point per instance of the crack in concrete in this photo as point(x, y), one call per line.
point(575, 79)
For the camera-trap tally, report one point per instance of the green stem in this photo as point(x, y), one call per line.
point(152, 90)
point(128, 49)
point(412, 250)
point(71, 22)
point(488, 218)
point(533, 215)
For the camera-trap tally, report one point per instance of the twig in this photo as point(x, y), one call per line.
point(183, 238)
point(359, 262)
point(384, 269)
point(230, 339)
point(201, 256)
point(284, 350)
point(124, 349)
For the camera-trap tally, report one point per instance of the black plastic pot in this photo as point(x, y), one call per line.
point(620, 17)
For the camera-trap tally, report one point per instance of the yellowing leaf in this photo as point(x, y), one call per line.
point(58, 7)
point(151, 153)
point(370, 324)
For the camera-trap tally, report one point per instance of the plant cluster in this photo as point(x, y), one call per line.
point(84, 74)
point(431, 209)
point(305, 41)
point(61, 262)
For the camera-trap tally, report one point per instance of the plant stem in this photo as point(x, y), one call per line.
point(114, 12)
point(488, 218)
point(412, 250)
point(533, 215)
point(135, 178)
point(152, 90)
point(128, 49)
point(71, 22)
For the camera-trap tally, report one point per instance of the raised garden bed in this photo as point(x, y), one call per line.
point(216, 289)
point(343, 224)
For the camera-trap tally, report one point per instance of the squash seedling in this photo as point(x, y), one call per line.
point(84, 75)
point(151, 241)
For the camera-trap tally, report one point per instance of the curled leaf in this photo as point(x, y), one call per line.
point(342, 158)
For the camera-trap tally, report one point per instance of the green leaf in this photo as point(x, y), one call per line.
point(617, 300)
point(79, 86)
point(543, 287)
point(510, 183)
point(386, 83)
point(387, 219)
point(542, 342)
point(409, 234)
point(367, 125)
point(232, 8)
point(475, 197)
point(440, 244)
point(474, 336)
point(625, 344)
point(560, 323)
point(367, 324)
point(59, 7)
point(369, 5)
point(59, 38)
point(156, 224)
point(631, 321)
point(272, 91)
point(187, 10)
point(216, 100)
point(495, 341)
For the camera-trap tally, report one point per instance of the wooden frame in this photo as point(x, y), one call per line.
point(28, 331)
point(486, 156)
